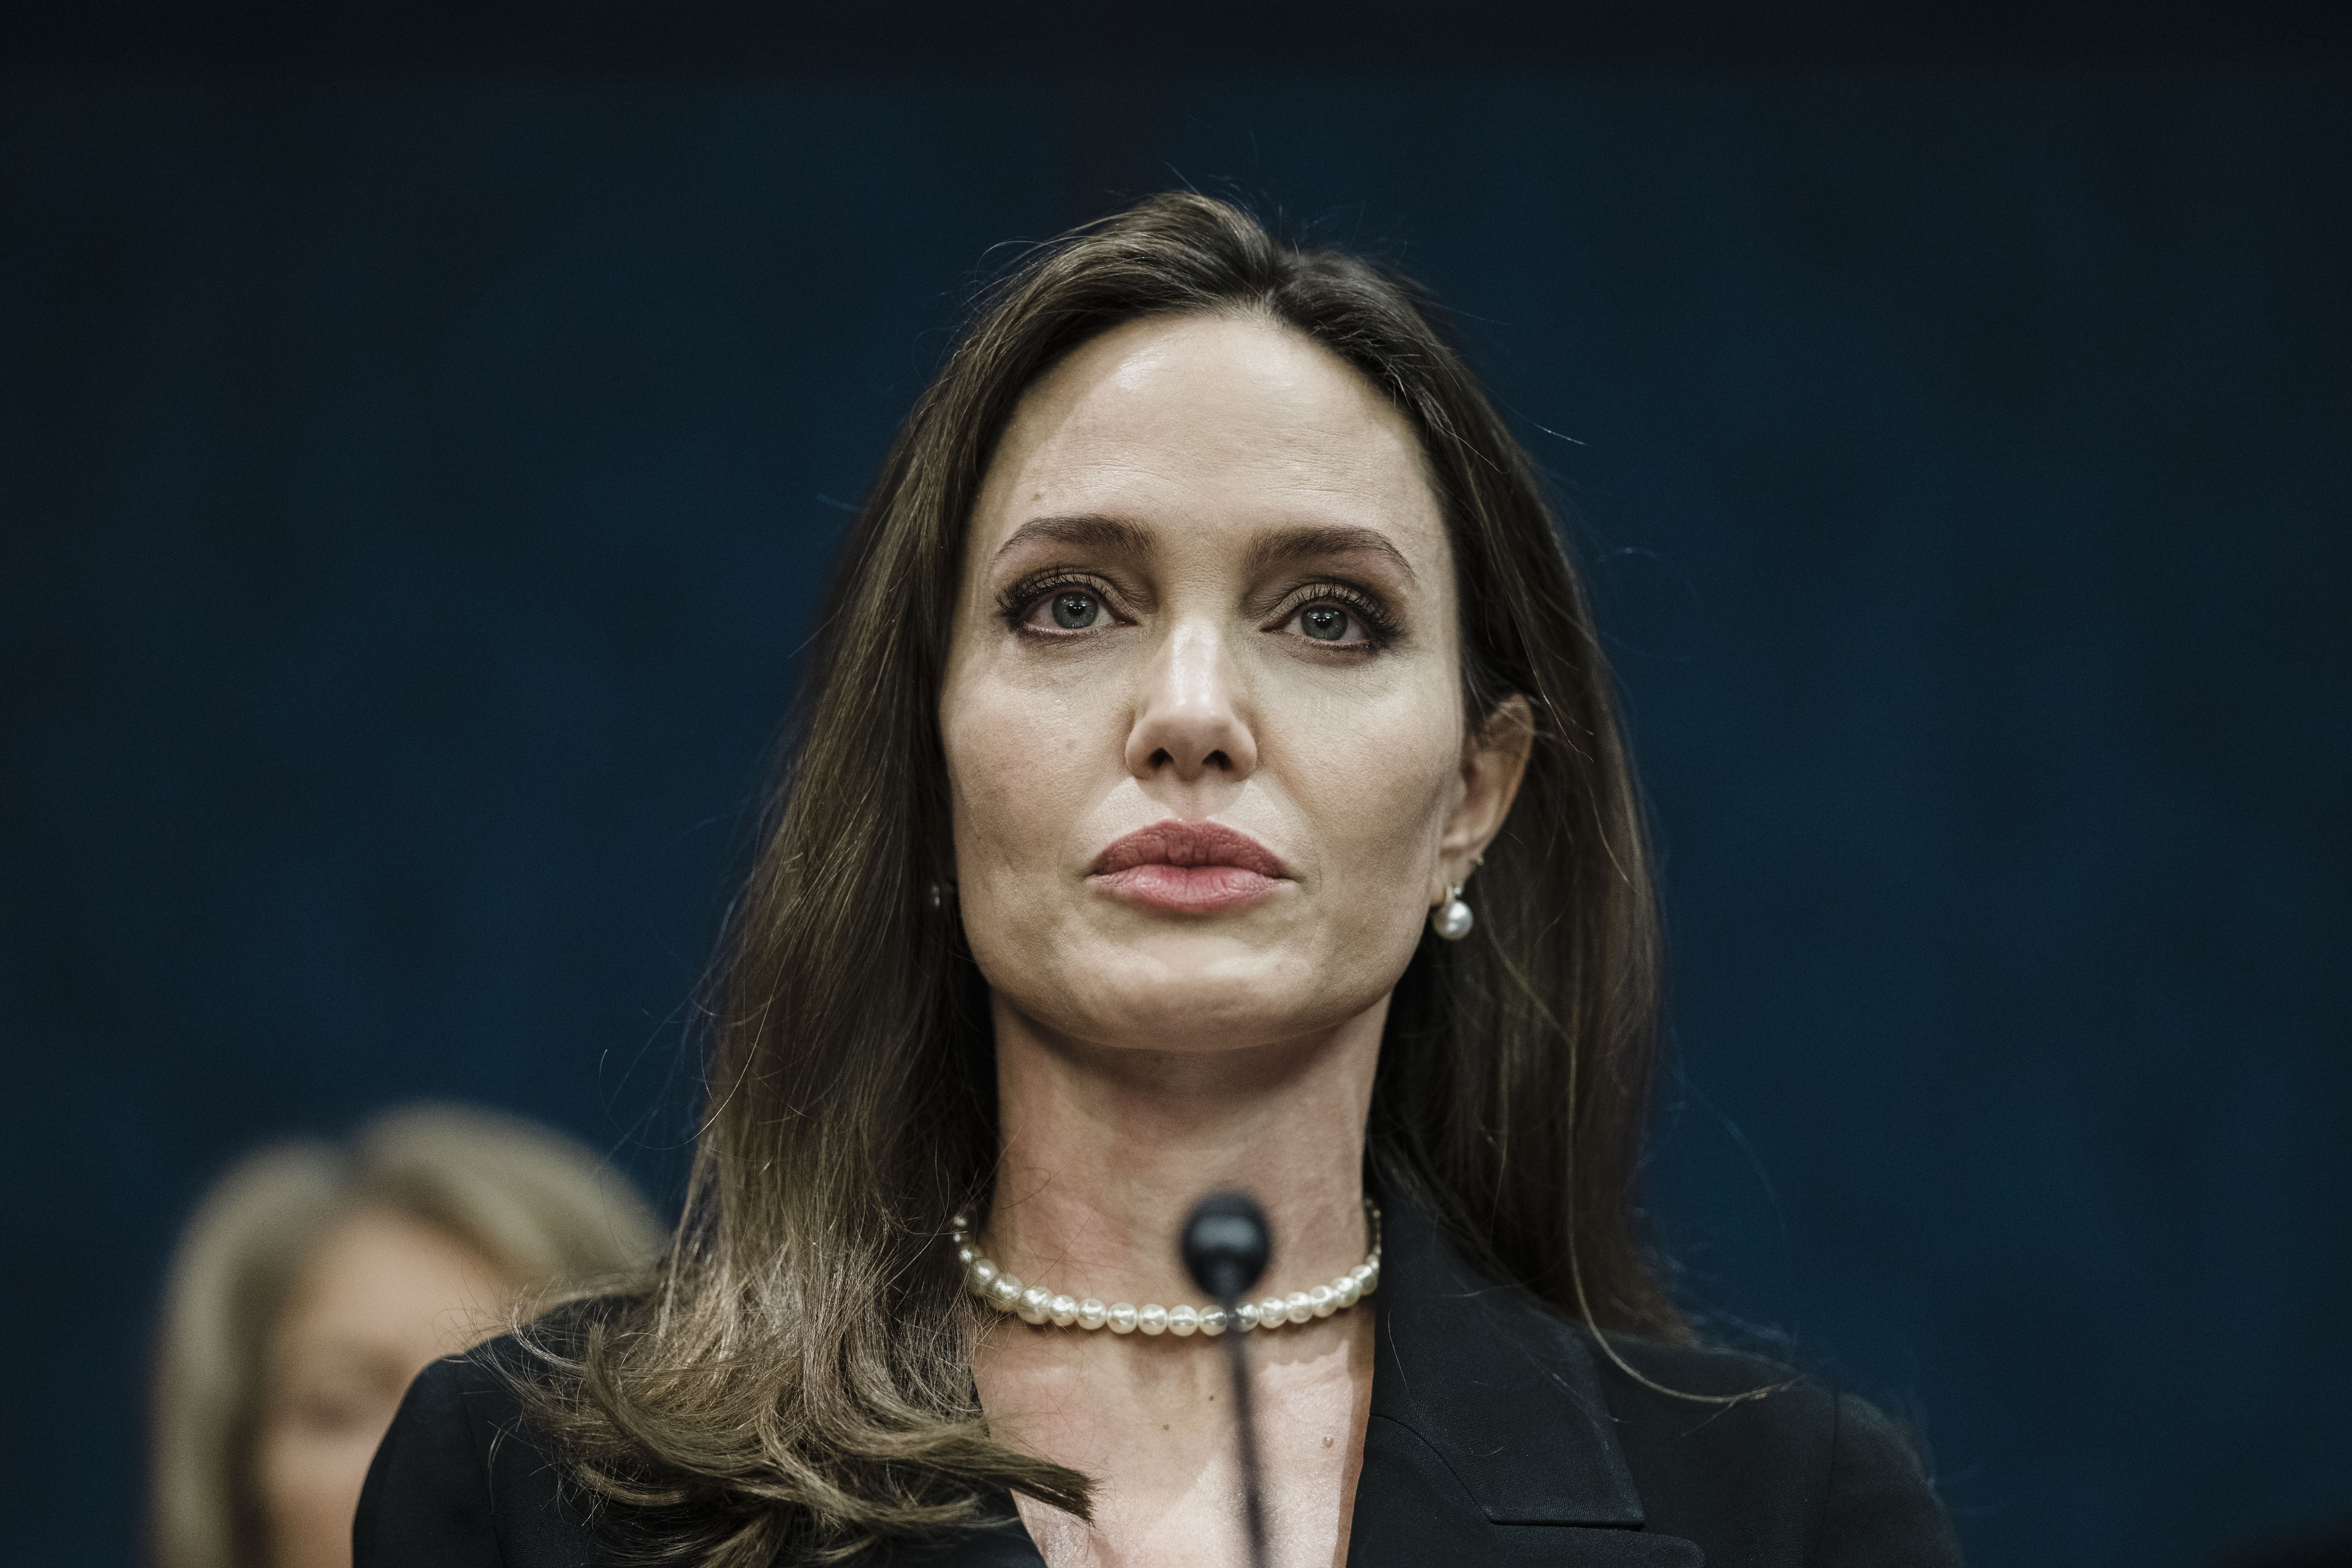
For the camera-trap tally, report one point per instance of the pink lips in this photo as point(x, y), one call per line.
point(1188, 868)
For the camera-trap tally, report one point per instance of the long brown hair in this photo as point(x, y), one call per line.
point(796, 1378)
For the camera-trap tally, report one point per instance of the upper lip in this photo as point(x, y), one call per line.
point(1173, 843)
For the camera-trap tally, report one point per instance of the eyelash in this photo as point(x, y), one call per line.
point(1016, 603)
point(1019, 599)
point(1380, 626)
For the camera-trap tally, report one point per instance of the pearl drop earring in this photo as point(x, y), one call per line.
point(1452, 920)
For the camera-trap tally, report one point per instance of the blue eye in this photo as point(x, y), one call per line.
point(1324, 623)
point(1075, 611)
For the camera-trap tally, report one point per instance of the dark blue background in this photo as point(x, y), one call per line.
point(415, 491)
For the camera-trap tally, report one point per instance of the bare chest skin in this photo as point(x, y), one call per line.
point(1150, 1420)
point(1151, 1423)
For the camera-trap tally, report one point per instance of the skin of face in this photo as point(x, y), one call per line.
point(381, 1297)
point(1216, 487)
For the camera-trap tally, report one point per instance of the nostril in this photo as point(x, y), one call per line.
point(1222, 762)
point(1161, 758)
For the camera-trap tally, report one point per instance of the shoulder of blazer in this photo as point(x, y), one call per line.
point(1527, 1420)
point(462, 1481)
point(1797, 1472)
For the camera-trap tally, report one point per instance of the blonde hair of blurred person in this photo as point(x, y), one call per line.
point(314, 1282)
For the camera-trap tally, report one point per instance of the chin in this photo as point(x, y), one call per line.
point(1100, 976)
point(1205, 994)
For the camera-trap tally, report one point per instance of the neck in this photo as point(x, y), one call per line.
point(1106, 1149)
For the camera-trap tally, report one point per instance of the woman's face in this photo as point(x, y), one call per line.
point(379, 1299)
point(1202, 709)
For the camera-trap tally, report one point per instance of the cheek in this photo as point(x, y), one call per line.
point(1373, 789)
point(1375, 786)
point(310, 1476)
point(1017, 782)
point(1011, 767)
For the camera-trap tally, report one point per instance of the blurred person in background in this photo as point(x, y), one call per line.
point(314, 1282)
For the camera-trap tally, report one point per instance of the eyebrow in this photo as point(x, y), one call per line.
point(1303, 542)
point(1310, 540)
point(1085, 532)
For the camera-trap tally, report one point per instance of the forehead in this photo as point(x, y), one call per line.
point(1217, 422)
point(378, 1272)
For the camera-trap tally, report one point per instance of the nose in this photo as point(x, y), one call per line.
point(1189, 720)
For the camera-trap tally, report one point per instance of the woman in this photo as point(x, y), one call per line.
point(312, 1285)
point(1208, 779)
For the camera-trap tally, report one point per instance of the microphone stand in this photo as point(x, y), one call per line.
point(1245, 1424)
point(1226, 1244)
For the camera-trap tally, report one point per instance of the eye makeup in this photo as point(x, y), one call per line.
point(1381, 624)
point(1018, 602)
point(1020, 599)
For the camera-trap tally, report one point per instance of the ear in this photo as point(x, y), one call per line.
point(1494, 761)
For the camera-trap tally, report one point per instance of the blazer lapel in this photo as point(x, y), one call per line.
point(1488, 1440)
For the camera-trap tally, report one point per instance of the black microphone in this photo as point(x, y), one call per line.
point(1226, 1244)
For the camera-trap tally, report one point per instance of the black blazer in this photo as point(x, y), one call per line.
point(1498, 1434)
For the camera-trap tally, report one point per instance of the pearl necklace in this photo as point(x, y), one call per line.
point(1035, 1304)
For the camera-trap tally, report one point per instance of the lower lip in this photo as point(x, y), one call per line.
point(1187, 889)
